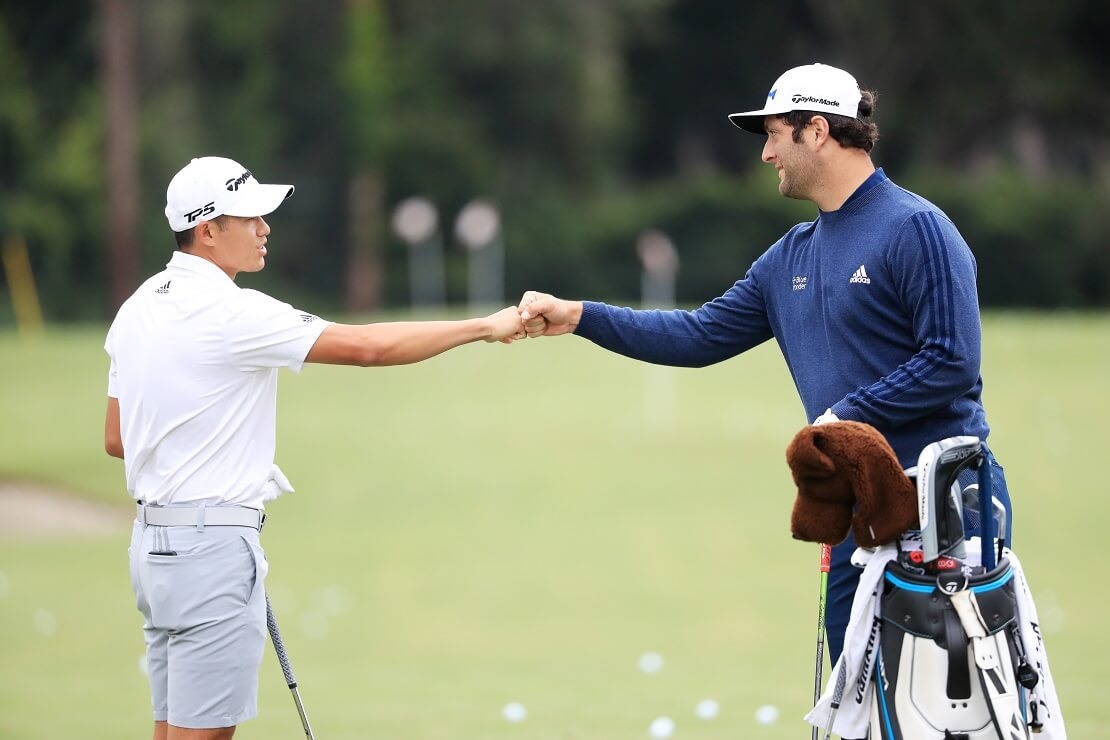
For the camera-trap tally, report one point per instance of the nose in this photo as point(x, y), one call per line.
point(263, 227)
point(767, 154)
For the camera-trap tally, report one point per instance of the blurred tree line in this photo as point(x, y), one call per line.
point(586, 121)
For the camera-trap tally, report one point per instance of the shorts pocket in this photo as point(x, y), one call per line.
point(261, 568)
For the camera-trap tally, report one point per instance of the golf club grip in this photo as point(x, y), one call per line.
point(279, 646)
point(837, 698)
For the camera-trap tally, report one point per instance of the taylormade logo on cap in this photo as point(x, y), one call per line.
point(815, 87)
point(796, 99)
point(208, 187)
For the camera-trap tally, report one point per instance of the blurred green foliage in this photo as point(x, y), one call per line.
point(586, 123)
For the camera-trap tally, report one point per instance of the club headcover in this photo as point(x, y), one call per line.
point(849, 478)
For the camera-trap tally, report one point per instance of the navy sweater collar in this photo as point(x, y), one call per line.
point(856, 198)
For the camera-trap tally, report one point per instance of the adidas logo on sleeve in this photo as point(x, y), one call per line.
point(860, 276)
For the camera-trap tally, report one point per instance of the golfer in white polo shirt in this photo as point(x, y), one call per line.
point(192, 392)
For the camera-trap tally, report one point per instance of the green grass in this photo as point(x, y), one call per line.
point(520, 524)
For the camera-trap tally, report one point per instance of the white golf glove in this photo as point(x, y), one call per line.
point(825, 418)
point(276, 485)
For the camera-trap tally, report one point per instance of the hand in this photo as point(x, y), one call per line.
point(275, 485)
point(505, 325)
point(825, 418)
point(547, 316)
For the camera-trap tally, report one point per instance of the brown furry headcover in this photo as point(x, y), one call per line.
point(849, 477)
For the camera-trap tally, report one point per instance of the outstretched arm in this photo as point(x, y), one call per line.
point(405, 342)
point(722, 328)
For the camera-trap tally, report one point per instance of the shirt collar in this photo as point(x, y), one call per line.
point(197, 265)
point(872, 180)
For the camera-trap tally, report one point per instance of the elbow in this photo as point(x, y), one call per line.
point(369, 348)
point(970, 378)
point(705, 359)
point(114, 447)
point(971, 382)
point(370, 354)
point(953, 368)
point(349, 346)
point(965, 373)
point(384, 351)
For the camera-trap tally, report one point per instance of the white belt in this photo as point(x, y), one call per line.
point(200, 516)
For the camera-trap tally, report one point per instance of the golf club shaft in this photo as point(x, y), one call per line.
point(286, 667)
point(826, 559)
point(986, 509)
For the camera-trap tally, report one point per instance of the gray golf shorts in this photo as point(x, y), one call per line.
point(204, 620)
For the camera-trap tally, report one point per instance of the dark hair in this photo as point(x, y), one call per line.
point(860, 132)
point(185, 238)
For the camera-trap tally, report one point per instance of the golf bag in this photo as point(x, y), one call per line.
point(949, 662)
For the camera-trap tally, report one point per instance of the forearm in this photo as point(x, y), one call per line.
point(930, 381)
point(395, 343)
point(712, 333)
point(945, 367)
point(649, 335)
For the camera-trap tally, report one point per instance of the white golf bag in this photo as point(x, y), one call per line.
point(934, 681)
point(950, 661)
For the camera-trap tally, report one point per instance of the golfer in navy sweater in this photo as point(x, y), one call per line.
point(873, 303)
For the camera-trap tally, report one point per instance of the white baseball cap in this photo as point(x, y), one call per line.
point(815, 87)
point(208, 187)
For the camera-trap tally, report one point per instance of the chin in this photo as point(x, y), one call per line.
point(787, 190)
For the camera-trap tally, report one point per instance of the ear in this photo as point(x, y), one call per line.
point(820, 127)
point(206, 232)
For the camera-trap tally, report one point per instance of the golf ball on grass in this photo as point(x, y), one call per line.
point(707, 709)
point(45, 623)
point(650, 662)
point(514, 712)
point(767, 714)
point(661, 727)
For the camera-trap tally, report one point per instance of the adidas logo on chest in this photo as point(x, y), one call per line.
point(860, 276)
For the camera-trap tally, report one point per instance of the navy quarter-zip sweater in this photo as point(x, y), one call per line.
point(874, 307)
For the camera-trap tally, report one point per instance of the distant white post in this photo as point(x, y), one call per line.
point(478, 227)
point(659, 263)
point(416, 222)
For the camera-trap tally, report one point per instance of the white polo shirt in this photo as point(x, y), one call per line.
point(194, 361)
